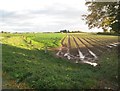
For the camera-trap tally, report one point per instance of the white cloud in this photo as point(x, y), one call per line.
point(42, 15)
point(18, 5)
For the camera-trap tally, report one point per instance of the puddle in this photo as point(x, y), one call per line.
point(67, 55)
point(93, 54)
point(93, 64)
point(81, 55)
point(109, 46)
point(113, 45)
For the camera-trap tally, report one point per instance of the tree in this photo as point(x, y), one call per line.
point(2, 31)
point(103, 15)
point(64, 31)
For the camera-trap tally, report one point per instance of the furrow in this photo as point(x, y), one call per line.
point(96, 47)
point(98, 43)
point(79, 51)
point(63, 48)
point(105, 44)
point(62, 42)
point(90, 49)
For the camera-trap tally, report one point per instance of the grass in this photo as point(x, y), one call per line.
point(109, 68)
point(30, 66)
point(52, 71)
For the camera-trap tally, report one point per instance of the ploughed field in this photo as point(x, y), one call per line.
point(86, 48)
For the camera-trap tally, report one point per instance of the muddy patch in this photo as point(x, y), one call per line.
point(89, 54)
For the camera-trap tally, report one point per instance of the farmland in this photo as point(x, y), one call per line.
point(86, 47)
point(61, 61)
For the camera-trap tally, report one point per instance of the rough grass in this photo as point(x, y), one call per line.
point(39, 70)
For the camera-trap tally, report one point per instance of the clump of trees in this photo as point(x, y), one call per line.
point(64, 31)
point(67, 31)
point(105, 15)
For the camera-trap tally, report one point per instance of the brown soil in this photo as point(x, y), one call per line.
point(88, 44)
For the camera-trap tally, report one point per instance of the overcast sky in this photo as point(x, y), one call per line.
point(42, 15)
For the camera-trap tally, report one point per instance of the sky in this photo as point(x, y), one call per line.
point(43, 15)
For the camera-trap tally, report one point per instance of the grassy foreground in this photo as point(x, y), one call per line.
point(25, 65)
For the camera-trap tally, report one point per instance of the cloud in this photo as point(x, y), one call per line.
point(60, 10)
point(42, 15)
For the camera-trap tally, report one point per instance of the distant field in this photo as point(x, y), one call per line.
point(26, 65)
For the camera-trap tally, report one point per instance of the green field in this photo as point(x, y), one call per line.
point(26, 65)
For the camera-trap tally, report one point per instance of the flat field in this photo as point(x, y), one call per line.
point(59, 61)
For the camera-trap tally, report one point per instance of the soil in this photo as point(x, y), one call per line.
point(89, 47)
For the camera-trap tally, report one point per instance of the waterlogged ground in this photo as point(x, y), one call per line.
point(86, 48)
point(26, 65)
